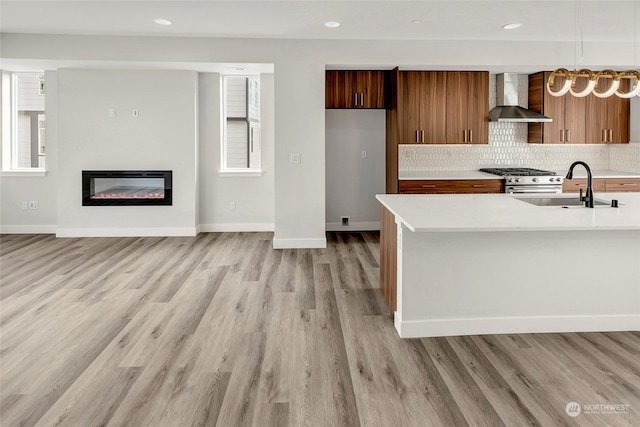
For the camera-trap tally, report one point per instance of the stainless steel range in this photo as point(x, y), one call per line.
point(527, 180)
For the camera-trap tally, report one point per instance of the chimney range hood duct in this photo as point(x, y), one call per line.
point(508, 109)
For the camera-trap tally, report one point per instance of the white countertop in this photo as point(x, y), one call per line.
point(502, 212)
point(578, 172)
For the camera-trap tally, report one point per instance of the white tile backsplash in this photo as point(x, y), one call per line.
point(508, 147)
point(625, 157)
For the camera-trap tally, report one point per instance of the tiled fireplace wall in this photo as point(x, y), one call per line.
point(508, 147)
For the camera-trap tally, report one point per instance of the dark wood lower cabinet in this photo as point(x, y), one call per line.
point(451, 186)
point(602, 185)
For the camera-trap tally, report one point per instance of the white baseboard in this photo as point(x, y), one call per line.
point(126, 232)
point(27, 229)
point(354, 226)
point(235, 227)
point(299, 243)
point(515, 325)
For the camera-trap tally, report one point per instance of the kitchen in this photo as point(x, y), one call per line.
point(367, 374)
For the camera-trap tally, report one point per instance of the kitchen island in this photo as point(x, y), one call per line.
point(471, 264)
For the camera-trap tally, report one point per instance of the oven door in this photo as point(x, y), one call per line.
point(533, 189)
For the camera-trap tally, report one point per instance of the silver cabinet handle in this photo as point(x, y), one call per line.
point(355, 99)
point(428, 186)
point(479, 185)
point(422, 136)
point(362, 99)
point(610, 135)
point(470, 135)
point(604, 136)
point(417, 137)
point(464, 135)
point(568, 138)
point(561, 135)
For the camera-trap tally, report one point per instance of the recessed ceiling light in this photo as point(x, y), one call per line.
point(241, 68)
point(332, 24)
point(416, 21)
point(161, 21)
point(511, 26)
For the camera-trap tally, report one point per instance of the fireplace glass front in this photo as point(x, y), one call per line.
point(126, 188)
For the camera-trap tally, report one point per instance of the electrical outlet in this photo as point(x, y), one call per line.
point(364, 154)
point(112, 112)
point(295, 158)
point(344, 220)
point(135, 112)
point(232, 206)
point(33, 205)
point(25, 206)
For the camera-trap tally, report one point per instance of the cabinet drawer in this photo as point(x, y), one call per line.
point(459, 186)
point(574, 185)
point(618, 185)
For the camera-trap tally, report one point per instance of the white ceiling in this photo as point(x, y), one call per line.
point(603, 20)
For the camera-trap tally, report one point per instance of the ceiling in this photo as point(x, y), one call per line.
point(603, 20)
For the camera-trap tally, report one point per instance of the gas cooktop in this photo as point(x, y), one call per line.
point(517, 172)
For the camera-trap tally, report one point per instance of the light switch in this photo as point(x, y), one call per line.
point(364, 154)
point(135, 112)
point(112, 112)
point(295, 158)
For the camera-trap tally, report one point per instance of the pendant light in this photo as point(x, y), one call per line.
point(593, 77)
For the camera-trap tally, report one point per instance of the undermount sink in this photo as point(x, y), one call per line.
point(559, 201)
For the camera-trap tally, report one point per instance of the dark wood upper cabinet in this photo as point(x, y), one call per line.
point(440, 107)
point(355, 89)
point(467, 107)
point(423, 107)
point(589, 119)
point(608, 118)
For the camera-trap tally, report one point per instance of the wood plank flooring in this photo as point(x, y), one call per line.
point(223, 330)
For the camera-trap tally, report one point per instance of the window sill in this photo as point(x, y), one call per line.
point(32, 173)
point(241, 173)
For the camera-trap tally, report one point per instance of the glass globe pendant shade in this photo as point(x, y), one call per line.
point(560, 72)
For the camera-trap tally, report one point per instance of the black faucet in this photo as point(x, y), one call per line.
point(588, 200)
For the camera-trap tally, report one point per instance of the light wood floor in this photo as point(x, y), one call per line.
point(223, 330)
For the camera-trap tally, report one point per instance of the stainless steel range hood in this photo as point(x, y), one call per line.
point(508, 109)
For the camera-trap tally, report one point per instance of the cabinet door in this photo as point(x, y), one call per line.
point(596, 131)
point(553, 107)
point(576, 184)
point(434, 107)
point(411, 85)
point(370, 89)
point(457, 107)
point(337, 89)
point(478, 107)
point(574, 116)
point(617, 185)
point(617, 118)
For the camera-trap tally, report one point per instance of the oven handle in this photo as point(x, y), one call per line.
point(534, 189)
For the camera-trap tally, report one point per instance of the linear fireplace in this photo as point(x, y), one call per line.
point(126, 188)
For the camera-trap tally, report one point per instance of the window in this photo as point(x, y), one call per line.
point(24, 149)
point(240, 124)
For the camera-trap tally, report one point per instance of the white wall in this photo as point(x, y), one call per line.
point(351, 181)
point(17, 189)
point(299, 89)
point(163, 137)
point(253, 195)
